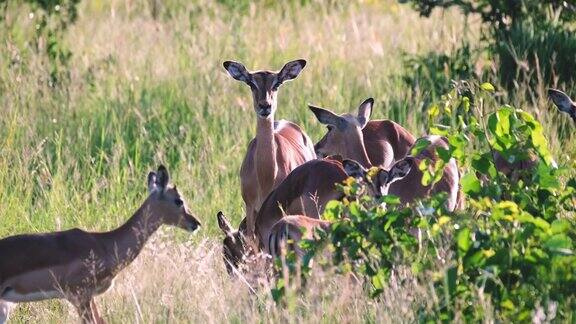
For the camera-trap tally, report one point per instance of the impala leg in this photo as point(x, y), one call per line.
point(5, 308)
point(97, 317)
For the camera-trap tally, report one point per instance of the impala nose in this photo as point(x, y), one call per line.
point(192, 224)
point(264, 109)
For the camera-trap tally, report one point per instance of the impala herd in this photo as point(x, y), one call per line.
point(286, 182)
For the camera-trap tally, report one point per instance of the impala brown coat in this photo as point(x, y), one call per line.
point(77, 265)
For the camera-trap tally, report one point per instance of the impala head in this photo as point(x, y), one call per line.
point(264, 84)
point(166, 202)
point(380, 181)
point(344, 131)
point(563, 102)
point(235, 245)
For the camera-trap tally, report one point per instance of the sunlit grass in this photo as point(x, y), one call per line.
point(146, 91)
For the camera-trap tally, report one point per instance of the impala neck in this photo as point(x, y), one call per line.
point(126, 242)
point(265, 158)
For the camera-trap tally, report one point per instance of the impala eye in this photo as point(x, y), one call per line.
point(178, 202)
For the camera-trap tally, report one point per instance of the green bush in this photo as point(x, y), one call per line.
point(52, 17)
point(531, 40)
point(513, 245)
point(433, 74)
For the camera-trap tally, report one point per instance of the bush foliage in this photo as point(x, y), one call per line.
point(531, 41)
point(513, 245)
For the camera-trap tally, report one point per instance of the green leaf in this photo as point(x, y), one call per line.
point(503, 126)
point(470, 183)
point(463, 240)
point(560, 226)
point(420, 145)
point(559, 243)
point(444, 154)
point(508, 304)
point(426, 178)
point(487, 86)
point(390, 200)
point(484, 164)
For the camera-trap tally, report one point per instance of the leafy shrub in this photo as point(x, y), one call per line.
point(521, 34)
point(512, 245)
point(52, 19)
point(433, 73)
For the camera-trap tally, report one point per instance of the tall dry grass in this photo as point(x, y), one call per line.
point(145, 91)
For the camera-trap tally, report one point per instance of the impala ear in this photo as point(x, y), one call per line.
point(224, 224)
point(237, 71)
point(327, 117)
point(162, 178)
point(291, 70)
point(354, 169)
point(151, 182)
point(365, 111)
point(400, 170)
point(561, 100)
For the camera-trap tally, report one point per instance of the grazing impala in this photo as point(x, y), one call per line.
point(377, 142)
point(304, 192)
point(563, 102)
point(278, 147)
point(78, 265)
point(293, 228)
point(306, 189)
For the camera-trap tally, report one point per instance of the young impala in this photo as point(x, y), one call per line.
point(78, 265)
point(303, 193)
point(345, 137)
point(278, 147)
point(376, 142)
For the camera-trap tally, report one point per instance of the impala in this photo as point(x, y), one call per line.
point(278, 147)
point(304, 192)
point(356, 137)
point(345, 137)
point(78, 265)
point(292, 228)
point(517, 169)
point(411, 187)
point(563, 102)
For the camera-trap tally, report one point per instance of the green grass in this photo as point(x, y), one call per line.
point(144, 92)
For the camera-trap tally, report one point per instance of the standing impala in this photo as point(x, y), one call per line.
point(344, 137)
point(78, 265)
point(377, 142)
point(278, 147)
point(303, 193)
